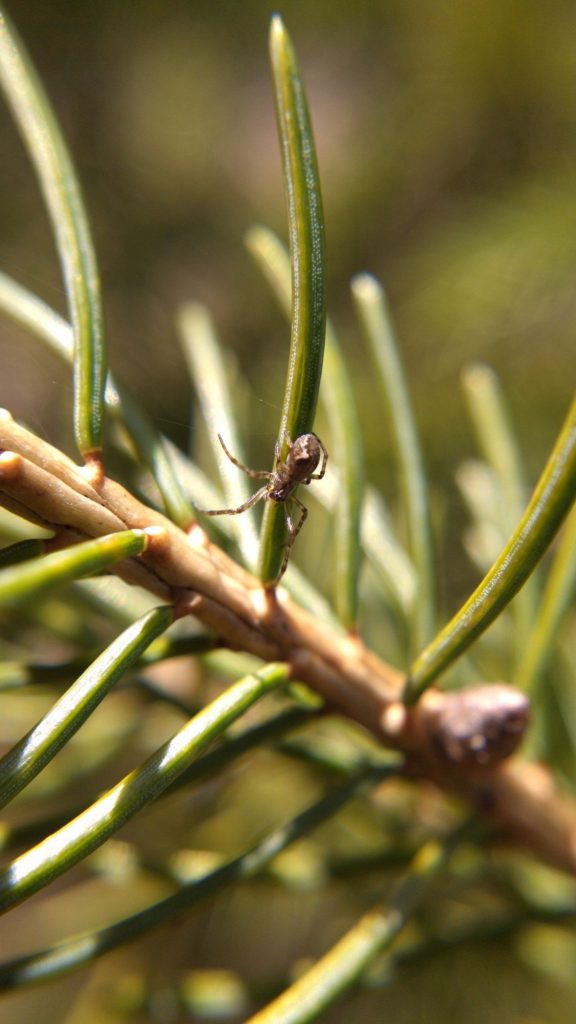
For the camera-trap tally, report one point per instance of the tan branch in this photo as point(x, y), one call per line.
point(457, 740)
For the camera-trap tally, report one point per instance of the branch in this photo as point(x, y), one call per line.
point(459, 741)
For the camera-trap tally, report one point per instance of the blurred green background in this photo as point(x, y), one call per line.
point(446, 135)
point(447, 140)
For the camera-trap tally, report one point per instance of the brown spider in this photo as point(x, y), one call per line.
point(303, 457)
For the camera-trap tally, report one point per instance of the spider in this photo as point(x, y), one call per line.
point(302, 459)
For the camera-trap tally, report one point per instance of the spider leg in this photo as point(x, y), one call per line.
point(293, 532)
point(262, 492)
point(322, 470)
point(258, 474)
point(278, 449)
